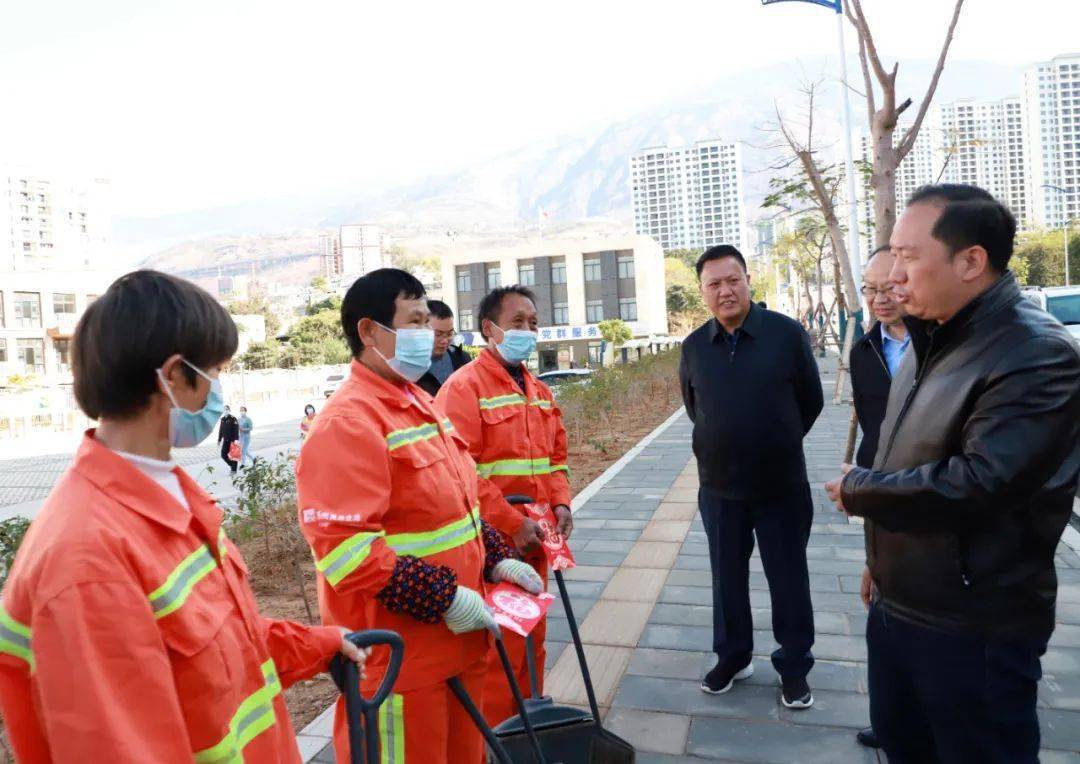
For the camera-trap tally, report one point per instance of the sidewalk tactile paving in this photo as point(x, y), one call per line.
point(666, 530)
point(652, 554)
point(615, 623)
point(607, 665)
point(635, 585)
point(679, 511)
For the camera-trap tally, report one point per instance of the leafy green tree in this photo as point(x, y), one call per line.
point(261, 355)
point(1044, 252)
point(315, 340)
point(333, 303)
point(687, 256)
point(615, 332)
point(685, 308)
point(257, 305)
point(320, 284)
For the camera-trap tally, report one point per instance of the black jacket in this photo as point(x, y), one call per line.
point(752, 407)
point(977, 469)
point(458, 358)
point(870, 382)
point(229, 429)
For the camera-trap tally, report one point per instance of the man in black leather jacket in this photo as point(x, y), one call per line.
point(971, 489)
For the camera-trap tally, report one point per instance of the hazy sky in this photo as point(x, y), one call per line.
point(191, 104)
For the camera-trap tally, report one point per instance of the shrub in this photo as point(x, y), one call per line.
point(12, 532)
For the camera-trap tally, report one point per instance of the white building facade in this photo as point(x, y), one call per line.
point(54, 261)
point(689, 197)
point(983, 144)
point(578, 283)
point(1052, 114)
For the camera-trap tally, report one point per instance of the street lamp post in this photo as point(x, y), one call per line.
point(1064, 223)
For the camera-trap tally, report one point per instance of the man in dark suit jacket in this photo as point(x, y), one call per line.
point(873, 362)
point(445, 358)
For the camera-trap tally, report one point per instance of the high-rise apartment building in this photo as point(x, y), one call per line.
point(690, 196)
point(1052, 114)
point(355, 250)
point(982, 144)
point(55, 236)
point(920, 167)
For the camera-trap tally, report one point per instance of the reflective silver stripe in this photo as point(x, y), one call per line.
point(177, 587)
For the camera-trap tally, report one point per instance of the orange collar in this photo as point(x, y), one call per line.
point(497, 370)
point(126, 484)
point(395, 396)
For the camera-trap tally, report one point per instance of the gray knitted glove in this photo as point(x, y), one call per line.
point(468, 612)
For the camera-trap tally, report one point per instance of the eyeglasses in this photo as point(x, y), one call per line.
point(871, 293)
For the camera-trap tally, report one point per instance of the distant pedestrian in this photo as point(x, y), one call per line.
point(305, 423)
point(970, 491)
point(752, 389)
point(246, 426)
point(875, 359)
point(228, 433)
point(445, 358)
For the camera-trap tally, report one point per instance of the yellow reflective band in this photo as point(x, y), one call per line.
point(254, 716)
point(347, 556)
point(561, 468)
point(427, 543)
point(223, 550)
point(399, 438)
point(513, 399)
point(168, 597)
point(509, 467)
point(541, 403)
point(15, 638)
point(392, 731)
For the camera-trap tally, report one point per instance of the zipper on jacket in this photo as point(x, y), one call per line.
point(881, 358)
point(907, 401)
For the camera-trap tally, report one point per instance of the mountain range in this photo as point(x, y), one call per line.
point(575, 177)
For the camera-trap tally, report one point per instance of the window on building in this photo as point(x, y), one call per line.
point(594, 354)
point(594, 311)
point(3, 317)
point(32, 355)
point(628, 309)
point(3, 350)
point(592, 269)
point(63, 355)
point(558, 272)
point(90, 298)
point(27, 310)
point(464, 280)
point(465, 321)
point(63, 302)
point(494, 277)
point(561, 314)
point(527, 274)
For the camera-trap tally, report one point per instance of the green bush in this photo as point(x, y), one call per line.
point(12, 532)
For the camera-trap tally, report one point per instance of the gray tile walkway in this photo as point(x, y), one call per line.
point(655, 702)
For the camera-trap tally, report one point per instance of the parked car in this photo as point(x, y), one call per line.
point(1063, 303)
point(562, 377)
point(333, 382)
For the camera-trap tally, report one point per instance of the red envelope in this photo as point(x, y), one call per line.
point(558, 553)
point(516, 609)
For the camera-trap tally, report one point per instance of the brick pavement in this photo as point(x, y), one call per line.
point(641, 593)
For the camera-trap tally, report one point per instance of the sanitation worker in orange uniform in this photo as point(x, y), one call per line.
point(388, 502)
point(516, 435)
point(128, 631)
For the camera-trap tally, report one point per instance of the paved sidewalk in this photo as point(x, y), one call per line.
point(642, 595)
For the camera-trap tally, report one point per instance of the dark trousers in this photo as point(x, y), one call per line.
point(225, 455)
point(942, 697)
point(782, 526)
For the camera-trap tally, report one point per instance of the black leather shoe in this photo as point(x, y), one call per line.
point(868, 738)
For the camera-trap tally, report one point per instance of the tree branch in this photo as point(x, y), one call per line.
point(859, 20)
point(870, 105)
point(913, 132)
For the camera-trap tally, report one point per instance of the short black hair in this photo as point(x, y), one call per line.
point(439, 309)
point(126, 335)
point(718, 252)
point(374, 296)
point(971, 216)
point(492, 303)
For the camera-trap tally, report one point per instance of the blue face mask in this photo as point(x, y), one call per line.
point(412, 352)
point(517, 345)
point(190, 428)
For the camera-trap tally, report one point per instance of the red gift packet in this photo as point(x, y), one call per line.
point(517, 610)
point(559, 556)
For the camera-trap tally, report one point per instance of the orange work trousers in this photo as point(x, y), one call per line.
point(424, 726)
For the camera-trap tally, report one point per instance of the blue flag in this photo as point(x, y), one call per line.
point(836, 5)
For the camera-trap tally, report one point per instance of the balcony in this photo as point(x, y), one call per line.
point(63, 326)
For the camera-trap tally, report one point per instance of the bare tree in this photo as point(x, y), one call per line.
point(888, 153)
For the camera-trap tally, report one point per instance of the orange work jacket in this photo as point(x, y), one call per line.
point(382, 474)
point(128, 630)
point(516, 437)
